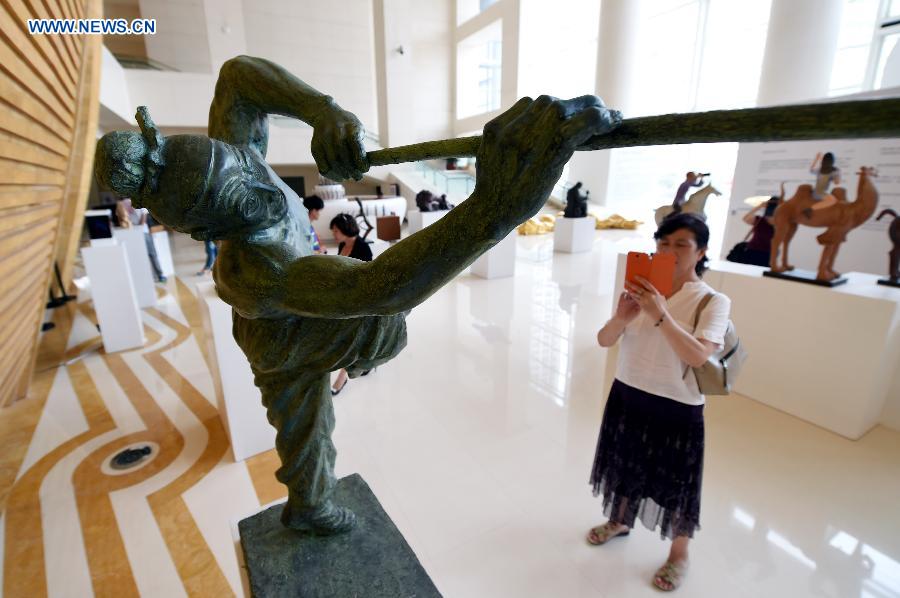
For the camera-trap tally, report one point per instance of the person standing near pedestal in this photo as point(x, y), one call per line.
point(299, 316)
point(129, 216)
point(649, 459)
point(314, 205)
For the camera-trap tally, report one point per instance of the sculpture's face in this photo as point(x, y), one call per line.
point(210, 189)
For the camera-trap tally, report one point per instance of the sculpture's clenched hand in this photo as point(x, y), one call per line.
point(337, 144)
point(523, 151)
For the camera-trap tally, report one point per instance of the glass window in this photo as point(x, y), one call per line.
point(558, 48)
point(478, 71)
point(888, 72)
point(466, 9)
point(848, 74)
point(894, 9)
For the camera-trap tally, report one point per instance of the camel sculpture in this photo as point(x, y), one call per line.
point(838, 220)
point(894, 255)
point(696, 204)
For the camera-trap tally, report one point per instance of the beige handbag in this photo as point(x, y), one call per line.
point(717, 375)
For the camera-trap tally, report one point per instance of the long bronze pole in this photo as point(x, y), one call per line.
point(862, 119)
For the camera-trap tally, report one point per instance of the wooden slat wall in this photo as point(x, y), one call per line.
point(49, 93)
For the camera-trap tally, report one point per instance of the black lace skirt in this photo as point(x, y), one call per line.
point(649, 461)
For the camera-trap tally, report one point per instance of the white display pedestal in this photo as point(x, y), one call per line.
point(113, 294)
point(499, 261)
point(239, 400)
point(573, 235)
point(141, 272)
point(419, 220)
point(164, 252)
point(827, 356)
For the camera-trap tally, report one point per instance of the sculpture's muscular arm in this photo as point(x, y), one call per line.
point(521, 157)
point(248, 89)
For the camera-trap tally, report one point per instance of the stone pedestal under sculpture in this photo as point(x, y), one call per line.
point(372, 560)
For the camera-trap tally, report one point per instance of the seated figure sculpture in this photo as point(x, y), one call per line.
point(427, 201)
point(299, 316)
point(576, 203)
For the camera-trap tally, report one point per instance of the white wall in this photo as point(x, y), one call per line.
point(114, 94)
point(415, 87)
point(180, 41)
point(329, 46)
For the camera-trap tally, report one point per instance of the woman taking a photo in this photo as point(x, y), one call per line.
point(649, 458)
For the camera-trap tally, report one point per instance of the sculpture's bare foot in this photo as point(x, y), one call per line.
point(788, 268)
point(325, 520)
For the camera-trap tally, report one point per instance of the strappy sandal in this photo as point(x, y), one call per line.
point(669, 577)
point(604, 533)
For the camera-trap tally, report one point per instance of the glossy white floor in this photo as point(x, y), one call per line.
point(478, 440)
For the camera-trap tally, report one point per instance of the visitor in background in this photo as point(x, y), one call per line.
point(212, 251)
point(129, 216)
point(649, 458)
point(757, 247)
point(314, 206)
point(346, 233)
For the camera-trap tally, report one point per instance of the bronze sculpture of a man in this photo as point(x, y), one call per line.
point(299, 316)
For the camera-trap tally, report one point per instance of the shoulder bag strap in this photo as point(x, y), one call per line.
point(700, 306)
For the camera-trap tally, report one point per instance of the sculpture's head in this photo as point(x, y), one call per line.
point(197, 185)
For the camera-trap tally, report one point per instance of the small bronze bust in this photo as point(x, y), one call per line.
point(576, 203)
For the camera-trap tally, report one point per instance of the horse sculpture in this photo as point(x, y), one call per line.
point(696, 204)
point(894, 234)
point(838, 220)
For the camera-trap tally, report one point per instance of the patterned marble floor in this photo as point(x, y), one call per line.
point(477, 440)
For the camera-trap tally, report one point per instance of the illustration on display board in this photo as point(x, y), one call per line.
point(893, 278)
point(838, 220)
point(576, 203)
point(695, 204)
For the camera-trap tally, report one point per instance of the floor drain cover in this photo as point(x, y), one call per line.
point(130, 457)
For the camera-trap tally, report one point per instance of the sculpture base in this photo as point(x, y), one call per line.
point(889, 283)
point(807, 276)
point(373, 560)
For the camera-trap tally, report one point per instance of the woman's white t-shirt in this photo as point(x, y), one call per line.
point(647, 360)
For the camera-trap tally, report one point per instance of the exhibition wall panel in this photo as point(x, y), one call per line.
point(49, 89)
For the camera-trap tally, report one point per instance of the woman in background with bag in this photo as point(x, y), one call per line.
point(756, 248)
point(649, 458)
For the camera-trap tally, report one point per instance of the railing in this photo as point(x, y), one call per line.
point(451, 182)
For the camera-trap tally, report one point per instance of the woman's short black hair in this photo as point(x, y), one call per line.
point(346, 224)
point(771, 206)
point(692, 223)
point(313, 202)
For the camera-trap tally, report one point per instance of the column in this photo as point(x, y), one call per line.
point(800, 48)
point(616, 53)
